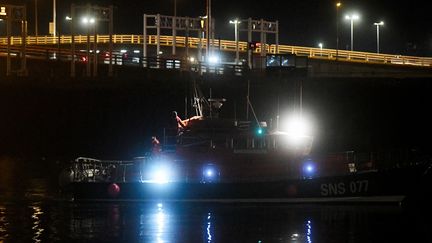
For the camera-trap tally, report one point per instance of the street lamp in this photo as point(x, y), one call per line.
point(90, 21)
point(352, 18)
point(54, 18)
point(378, 25)
point(320, 46)
point(338, 5)
point(236, 22)
point(36, 18)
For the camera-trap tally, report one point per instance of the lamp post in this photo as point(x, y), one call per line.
point(1, 24)
point(89, 21)
point(378, 25)
point(338, 5)
point(352, 18)
point(54, 18)
point(208, 29)
point(320, 46)
point(236, 22)
point(36, 18)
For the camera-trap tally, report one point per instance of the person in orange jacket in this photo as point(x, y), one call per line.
point(181, 125)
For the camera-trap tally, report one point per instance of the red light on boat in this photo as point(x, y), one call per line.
point(113, 190)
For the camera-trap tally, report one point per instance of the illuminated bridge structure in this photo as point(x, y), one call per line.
point(44, 47)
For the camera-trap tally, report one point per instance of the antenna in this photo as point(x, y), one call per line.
point(210, 104)
point(253, 112)
point(301, 98)
point(247, 100)
point(278, 113)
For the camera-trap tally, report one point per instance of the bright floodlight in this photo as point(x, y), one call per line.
point(298, 126)
point(160, 174)
point(214, 59)
point(379, 23)
point(235, 21)
point(88, 20)
point(352, 17)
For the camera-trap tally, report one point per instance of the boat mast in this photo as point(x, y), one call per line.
point(197, 100)
point(278, 113)
point(301, 98)
point(211, 116)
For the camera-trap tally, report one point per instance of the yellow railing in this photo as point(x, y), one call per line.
point(228, 45)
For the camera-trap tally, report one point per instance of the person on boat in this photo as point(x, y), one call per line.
point(181, 125)
point(156, 149)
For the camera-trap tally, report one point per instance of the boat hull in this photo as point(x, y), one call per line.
point(373, 186)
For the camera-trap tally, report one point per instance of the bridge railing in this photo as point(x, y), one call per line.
point(122, 59)
point(228, 45)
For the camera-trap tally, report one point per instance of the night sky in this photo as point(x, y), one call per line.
point(407, 29)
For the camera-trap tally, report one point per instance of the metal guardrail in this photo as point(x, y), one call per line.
point(43, 53)
point(227, 45)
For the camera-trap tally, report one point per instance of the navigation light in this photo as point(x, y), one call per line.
point(209, 174)
point(308, 169)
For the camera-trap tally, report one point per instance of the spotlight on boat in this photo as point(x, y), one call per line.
point(210, 174)
point(298, 128)
point(160, 174)
point(214, 59)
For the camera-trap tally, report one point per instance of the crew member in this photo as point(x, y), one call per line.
point(156, 149)
point(181, 125)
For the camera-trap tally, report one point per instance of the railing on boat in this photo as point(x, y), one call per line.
point(95, 170)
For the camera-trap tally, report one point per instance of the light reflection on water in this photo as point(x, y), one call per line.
point(37, 226)
point(309, 231)
point(162, 222)
point(209, 228)
point(3, 223)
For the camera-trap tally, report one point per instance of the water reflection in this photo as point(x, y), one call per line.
point(37, 227)
point(309, 231)
point(160, 222)
point(209, 228)
point(175, 222)
point(3, 223)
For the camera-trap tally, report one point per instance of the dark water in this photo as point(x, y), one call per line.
point(185, 222)
point(32, 211)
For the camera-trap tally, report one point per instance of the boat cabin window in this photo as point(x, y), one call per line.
point(249, 143)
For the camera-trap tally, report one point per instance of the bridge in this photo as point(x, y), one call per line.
point(59, 47)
